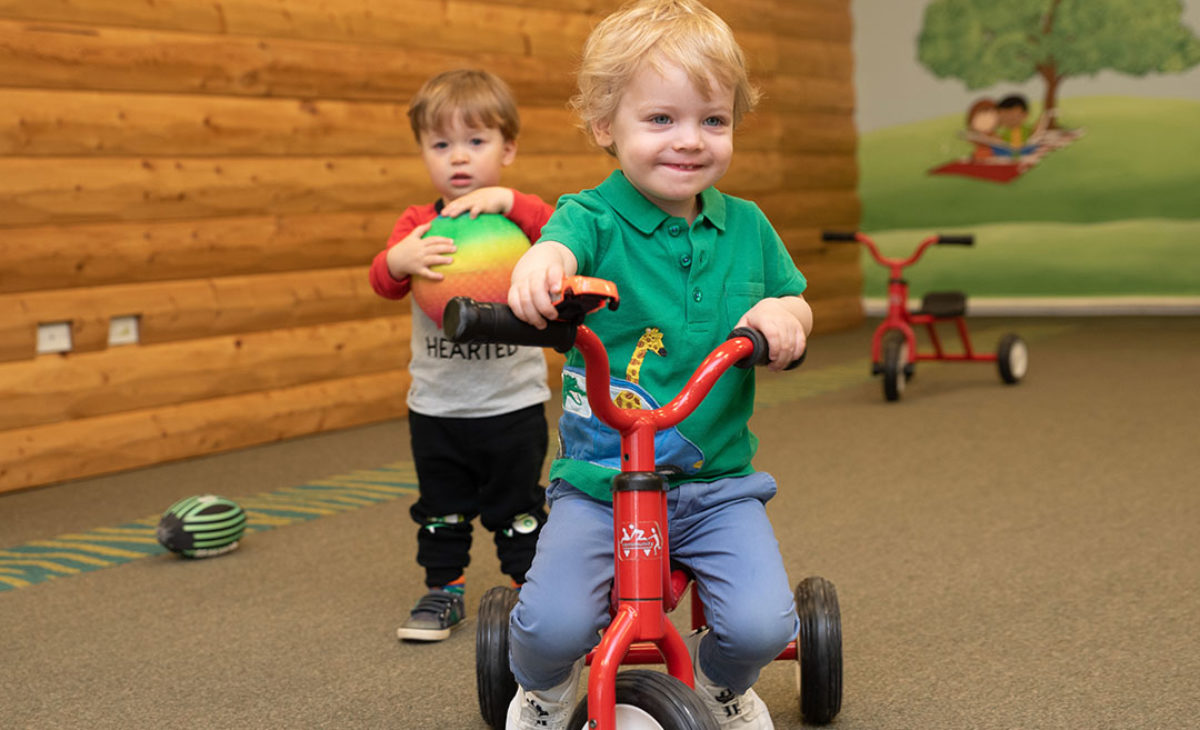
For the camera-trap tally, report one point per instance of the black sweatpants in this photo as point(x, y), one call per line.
point(478, 467)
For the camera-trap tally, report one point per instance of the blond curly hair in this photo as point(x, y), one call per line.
point(680, 32)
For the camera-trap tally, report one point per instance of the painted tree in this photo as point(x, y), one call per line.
point(984, 42)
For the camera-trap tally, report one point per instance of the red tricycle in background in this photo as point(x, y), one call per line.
point(894, 351)
point(646, 586)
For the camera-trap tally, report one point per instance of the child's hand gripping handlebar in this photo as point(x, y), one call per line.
point(466, 320)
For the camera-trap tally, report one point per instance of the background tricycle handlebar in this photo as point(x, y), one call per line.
point(851, 237)
point(839, 236)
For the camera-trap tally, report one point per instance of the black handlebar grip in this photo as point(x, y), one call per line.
point(960, 240)
point(466, 320)
point(761, 354)
point(836, 236)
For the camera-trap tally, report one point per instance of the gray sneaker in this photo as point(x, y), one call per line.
point(433, 617)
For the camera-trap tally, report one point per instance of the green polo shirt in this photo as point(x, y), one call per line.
point(683, 288)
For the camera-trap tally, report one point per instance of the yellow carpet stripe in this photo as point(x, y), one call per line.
point(73, 557)
point(328, 495)
point(135, 532)
point(14, 582)
point(256, 518)
point(369, 496)
point(391, 491)
point(46, 564)
point(265, 503)
point(98, 549)
point(142, 538)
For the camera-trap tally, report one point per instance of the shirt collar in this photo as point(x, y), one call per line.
point(645, 216)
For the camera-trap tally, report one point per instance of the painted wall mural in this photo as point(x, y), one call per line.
point(1063, 134)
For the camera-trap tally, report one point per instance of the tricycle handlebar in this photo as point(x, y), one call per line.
point(895, 264)
point(839, 237)
point(466, 320)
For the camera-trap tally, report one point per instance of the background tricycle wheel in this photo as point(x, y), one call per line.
point(819, 650)
point(494, 681)
point(649, 700)
point(1012, 358)
point(895, 362)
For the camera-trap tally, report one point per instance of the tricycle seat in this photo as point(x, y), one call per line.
point(943, 304)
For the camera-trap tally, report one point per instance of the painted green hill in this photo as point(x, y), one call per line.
point(1137, 159)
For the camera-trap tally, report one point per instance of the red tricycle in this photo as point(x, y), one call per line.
point(646, 586)
point(894, 352)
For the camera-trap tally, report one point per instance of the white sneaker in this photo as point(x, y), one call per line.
point(746, 711)
point(547, 709)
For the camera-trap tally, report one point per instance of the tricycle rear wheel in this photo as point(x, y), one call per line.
point(1012, 359)
point(819, 650)
point(895, 361)
point(494, 681)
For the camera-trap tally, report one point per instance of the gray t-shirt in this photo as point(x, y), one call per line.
point(471, 381)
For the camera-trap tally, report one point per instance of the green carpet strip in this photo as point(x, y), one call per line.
point(75, 553)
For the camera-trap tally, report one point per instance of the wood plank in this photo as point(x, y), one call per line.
point(103, 254)
point(816, 19)
point(811, 208)
point(62, 56)
point(39, 122)
point(92, 446)
point(827, 279)
point(767, 129)
point(786, 93)
point(195, 308)
point(58, 123)
point(452, 25)
point(41, 191)
point(54, 389)
point(754, 172)
point(837, 313)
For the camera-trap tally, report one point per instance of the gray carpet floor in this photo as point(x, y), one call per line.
point(1005, 557)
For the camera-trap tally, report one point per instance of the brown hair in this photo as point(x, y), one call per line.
point(476, 97)
point(683, 32)
point(980, 105)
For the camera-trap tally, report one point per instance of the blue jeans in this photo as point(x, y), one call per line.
point(719, 530)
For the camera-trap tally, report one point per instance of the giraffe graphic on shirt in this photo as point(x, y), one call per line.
point(582, 437)
point(650, 341)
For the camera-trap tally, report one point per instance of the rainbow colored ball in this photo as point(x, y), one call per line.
point(488, 248)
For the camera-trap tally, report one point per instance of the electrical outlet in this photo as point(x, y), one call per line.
point(53, 337)
point(123, 330)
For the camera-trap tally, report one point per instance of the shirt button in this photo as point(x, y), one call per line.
point(674, 230)
point(685, 261)
point(697, 295)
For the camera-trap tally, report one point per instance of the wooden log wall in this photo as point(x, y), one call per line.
point(225, 170)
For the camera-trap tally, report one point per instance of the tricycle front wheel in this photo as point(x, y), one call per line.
point(649, 700)
point(1012, 359)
